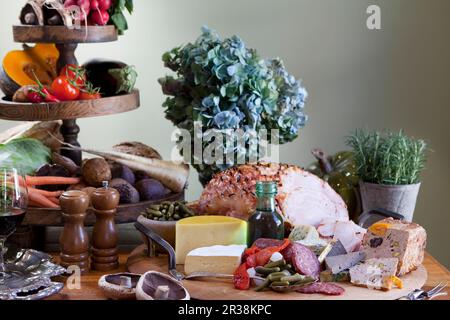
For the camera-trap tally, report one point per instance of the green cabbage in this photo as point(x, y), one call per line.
point(25, 154)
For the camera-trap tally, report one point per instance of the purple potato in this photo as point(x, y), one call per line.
point(151, 189)
point(128, 194)
point(141, 175)
point(119, 171)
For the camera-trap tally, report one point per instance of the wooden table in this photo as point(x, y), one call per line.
point(90, 291)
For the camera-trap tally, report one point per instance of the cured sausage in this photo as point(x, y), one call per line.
point(267, 243)
point(305, 261)
point(287, 253)
point(323, 288)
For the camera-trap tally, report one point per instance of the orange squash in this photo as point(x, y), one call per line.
point(20, 67)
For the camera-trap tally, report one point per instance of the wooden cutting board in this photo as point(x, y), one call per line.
point(218, 289)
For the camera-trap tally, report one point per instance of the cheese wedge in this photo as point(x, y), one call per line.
point(215, 259)
point(205, 231)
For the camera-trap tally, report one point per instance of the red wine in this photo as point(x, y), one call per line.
point(9, 221)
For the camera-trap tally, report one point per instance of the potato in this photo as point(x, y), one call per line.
point(95, 171)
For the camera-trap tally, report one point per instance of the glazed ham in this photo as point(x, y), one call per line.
point(303, 198)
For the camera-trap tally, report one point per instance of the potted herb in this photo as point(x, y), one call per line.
point(223, 85)
point(389, 166)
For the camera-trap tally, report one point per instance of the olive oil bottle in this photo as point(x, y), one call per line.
point(266, 222)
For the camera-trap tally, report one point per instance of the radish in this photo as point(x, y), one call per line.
point(85, 7)
point(104, 5)
point(70, 3)
point(100, 18)
point(95, 5)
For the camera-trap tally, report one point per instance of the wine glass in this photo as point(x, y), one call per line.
point(13, 205)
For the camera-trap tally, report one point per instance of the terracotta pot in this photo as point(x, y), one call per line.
point(397, 198)
point(165, 229)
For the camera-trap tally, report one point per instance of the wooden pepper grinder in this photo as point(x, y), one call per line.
point(105, 255)
point(74, 240)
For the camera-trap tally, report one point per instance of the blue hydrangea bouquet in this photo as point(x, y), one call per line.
point(224, 85)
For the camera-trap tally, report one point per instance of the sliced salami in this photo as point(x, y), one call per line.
point(267, 243)
point(322, 288)
point(287, 254)
point(305, 261)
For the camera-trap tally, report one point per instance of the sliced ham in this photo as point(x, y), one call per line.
point(303, 198)
point(350, 234)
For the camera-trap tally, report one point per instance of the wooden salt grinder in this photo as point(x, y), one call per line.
point(74, 240)
point(105, 255)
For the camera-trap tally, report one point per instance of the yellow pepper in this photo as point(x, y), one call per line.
point(389, 282)
point(397, 282)
point(379, 228)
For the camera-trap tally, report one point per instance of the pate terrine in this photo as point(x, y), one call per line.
point(376, 274)
point(391, 238)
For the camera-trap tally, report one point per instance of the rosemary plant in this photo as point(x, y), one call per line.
point(388, 158)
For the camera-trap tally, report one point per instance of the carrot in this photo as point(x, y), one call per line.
point(42, 181)
point(33, 204)
point(41, 201)
point(48, 194)
point(54, 200)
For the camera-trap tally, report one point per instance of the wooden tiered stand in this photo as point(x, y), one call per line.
point(66, 41)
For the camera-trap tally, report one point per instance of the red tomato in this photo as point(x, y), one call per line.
point(74, 73)
point(89, 95)
point(64, 89)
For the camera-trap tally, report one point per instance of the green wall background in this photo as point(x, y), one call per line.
point(394, 78)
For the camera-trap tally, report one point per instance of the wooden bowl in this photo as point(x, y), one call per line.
point(63, 34)
point(165, 229)
point(66, 110)
point(126, 213)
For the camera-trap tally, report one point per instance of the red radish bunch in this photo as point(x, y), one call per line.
point(96, 11)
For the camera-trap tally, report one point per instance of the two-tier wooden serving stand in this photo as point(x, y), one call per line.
point(66, 41)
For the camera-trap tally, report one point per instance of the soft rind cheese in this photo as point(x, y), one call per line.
point(205, 231)
point(215, 259)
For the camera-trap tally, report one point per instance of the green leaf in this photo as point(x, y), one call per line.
point(120, 5)
point(129, 5)
point(119, 21)
point(25, 154)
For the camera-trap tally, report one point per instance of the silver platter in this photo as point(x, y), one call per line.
point(31, 276)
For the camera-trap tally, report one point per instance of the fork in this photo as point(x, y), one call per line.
point(419, 294)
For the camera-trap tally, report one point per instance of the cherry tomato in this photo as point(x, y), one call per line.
point(64, 89)
point(89, 95)
point(74, 73)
